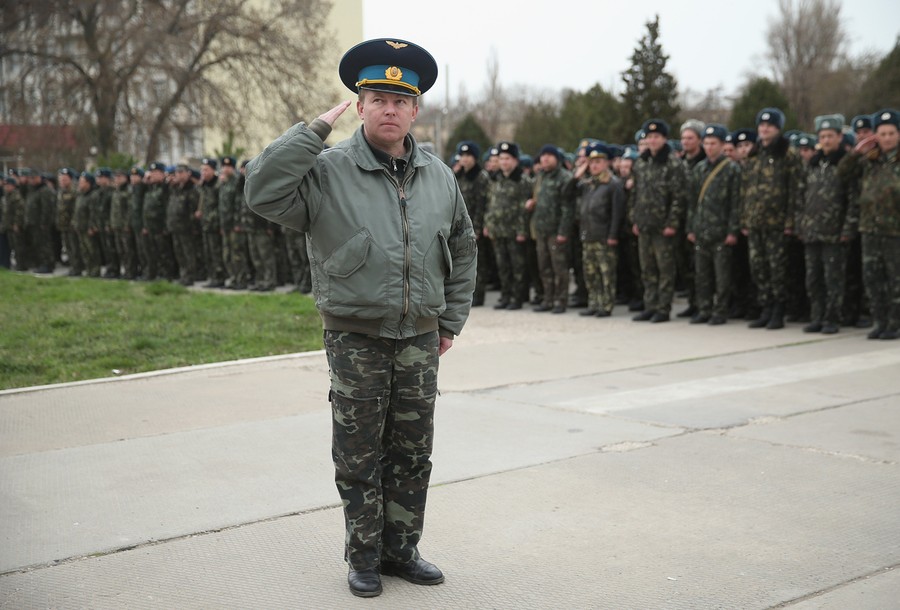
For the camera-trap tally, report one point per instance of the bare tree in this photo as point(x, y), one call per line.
point(806, 44)
point(144, 66)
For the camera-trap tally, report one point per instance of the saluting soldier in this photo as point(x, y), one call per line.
point(65, 209)
point(210, 224)
point(182, 204)
point(233, 231)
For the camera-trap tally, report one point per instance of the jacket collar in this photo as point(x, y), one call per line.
point(358, 148)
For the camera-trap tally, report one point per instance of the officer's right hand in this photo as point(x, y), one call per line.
point(332, 115)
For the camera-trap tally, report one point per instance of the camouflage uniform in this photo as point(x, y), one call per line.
point(600, 216)
point(14, 221)
point(658, 196)
point(684, 250)
point(160, 255)
point(879, 224)
point(136, 223)
point(107, 238)
point(120, 223)
point(40, 213)
point(85, 204)
point(261, 242)
point(711, 220)
point(233, 233)
point(474, 186)
point(825, 224)
point(553, 215)
point(769, 186)
point(179, 212)
point(211, 226)
point(65, 209)
point(505, 220)
point(299, 260)
point(628, 276)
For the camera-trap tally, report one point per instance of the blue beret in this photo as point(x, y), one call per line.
point(526, 161)
point(806, 140)
point(861, 121)
point(388, 64)
point(630, 153)
point(849, 138)
point(772, 116)
point(68, 171)
point(615, 150)
point(468, 147)
point(229, 162)
point(88, 176)
point(210, 162)
point(137, 171)
point(655, 126)
point(195, 173)
point(639, 135)
point(829, 121)
point(510, 148)
point(104, 172)
point(157, 165)
point(888, 116)
point(715, 130)
point(11, 180)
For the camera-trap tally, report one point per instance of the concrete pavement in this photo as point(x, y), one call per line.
point(579, 463)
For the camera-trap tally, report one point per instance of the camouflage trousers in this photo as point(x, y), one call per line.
point(768, 264)
point(629, 275)
point(262, 254)
point(510, 256)
point(599, 262)
point(712, 278)
point(826, 266)
point(110, 254)
point(72, 246)
point(881, 272)
point(165, 256)
point(185, 255)
point(213, 256)
point(128, 252)
point(239, 253)
point(40, 246)
point(382, 399)
point(90, 253)
point(553, 263)
point(657, 270)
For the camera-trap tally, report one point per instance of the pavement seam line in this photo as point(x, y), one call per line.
point(840, 585)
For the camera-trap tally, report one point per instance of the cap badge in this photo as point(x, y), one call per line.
point(651, 126)
point(765, 116)
point(826, 124)
point(709, 130)
point(393, 73)
point(396, 45)
point(885, 116)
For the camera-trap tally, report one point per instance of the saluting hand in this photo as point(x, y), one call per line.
point(332, 115)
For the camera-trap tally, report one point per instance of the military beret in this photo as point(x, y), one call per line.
point(137, 171)
point(509, 148)
point(526, 161)
point(807, 140)
point(585, 143)
point(630, 153)
point(89, 177)
point(615, 150)
point(862, 121)
point(170, 169)
point(597, 150)
point(390, 65)
point(550, 149)
point(10, 180)
point(888, 116)
point(694, 125)
point(210, 162)
point(104, 172)
point(229, 162)
point(26, 172)
point(639, 135)
point(745, 134)
point(454, 159)
point(182, 167)
point(848, 138)
point(830, 121)
point(772, 116)
point(468, 147)
point(13, 171)
point(156, 166)
point(655, 126)
point(68, 171)
point(195, 173)
point(715, 130)
point(729, 138)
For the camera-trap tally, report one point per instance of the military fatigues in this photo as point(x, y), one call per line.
point(160, 256)
point(211, 227)
point(180, 210)
point(553, 216)
point(825, 224)
point(136, 222)
point(14, 220)
point(879, 224)
point(82, 223)
point(233, 234)
point(298, 257)
point(684, 250)
point(628, 276)
point(474, 186)
point(120, 224)
point(40, 216)
point(769, 185)
point(506, 221)
point(65, 209)
point(600, 216)
point(713, 215)
point(659, 193)
point(106, 235)
point(261, 242)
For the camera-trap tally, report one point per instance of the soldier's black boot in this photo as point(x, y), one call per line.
point(764, 316)
point(777, 319)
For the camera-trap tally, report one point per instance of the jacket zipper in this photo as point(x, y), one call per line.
point(404, 217)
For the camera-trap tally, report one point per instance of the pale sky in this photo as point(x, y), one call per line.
point(578, 43)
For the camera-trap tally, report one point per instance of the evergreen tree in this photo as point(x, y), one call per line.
point(881, 88)
point(650, 91)
point(467, 129)
point(594, 114)
point(758, 94)
point(539, 125)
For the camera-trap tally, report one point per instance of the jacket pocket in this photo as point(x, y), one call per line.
point(356, 278)
point(349, 256)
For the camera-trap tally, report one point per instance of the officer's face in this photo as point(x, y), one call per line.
point(467, 161)
point(207, 173)
point(743, 149)
point(84, 185)
point(156, 176)
point(729, 151)
point(182, 176)
point(806, 153)
point(625, 167)
point(507, 163)
point(549, 162)
point(65, 181)
point(597, 165)
point(829, 140)
point(713, 147)
point(135, 178)
point(121, 180)
point(387, 117)
point(887, 136)
point(655, 142)
point(690, 142)
point(767, 132)
point(863, 132)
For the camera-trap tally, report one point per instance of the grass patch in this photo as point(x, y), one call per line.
point(68, 329)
